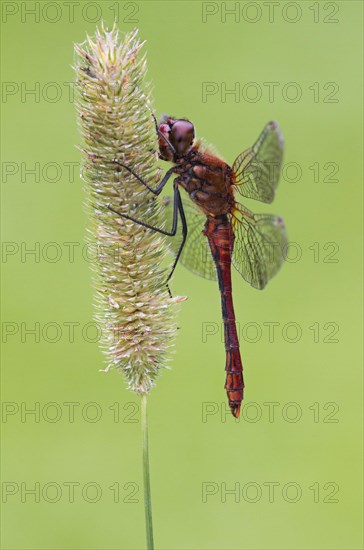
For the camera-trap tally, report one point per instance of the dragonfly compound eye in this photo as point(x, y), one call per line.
point(182, 135)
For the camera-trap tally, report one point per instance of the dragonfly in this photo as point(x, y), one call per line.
point(215, 230)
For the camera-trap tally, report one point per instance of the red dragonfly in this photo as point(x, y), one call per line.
point(254, 243)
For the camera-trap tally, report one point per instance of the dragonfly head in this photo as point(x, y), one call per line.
point(179, 132)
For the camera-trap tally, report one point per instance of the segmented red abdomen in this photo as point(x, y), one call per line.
point(220, 235)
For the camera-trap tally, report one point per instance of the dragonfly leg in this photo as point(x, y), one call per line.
point(170, 233)
point(159, 188)
point(178, 205)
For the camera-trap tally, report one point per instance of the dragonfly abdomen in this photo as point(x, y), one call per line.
point(220, 235)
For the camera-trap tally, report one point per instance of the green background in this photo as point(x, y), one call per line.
point(320, 373)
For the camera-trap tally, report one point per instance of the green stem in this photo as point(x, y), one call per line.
point(146, 475)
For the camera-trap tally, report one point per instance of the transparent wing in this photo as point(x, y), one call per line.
point(196, 254)
point(259, 247)
point(256, 171)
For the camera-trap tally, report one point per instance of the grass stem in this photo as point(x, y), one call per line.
point(146, 474)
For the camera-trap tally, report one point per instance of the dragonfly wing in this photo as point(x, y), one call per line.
point(256, 171)
point(260, 245)
point(196, 254)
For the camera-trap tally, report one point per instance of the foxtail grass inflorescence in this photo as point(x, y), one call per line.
point(134, 309)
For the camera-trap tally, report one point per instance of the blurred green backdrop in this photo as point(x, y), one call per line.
point(216, 483)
